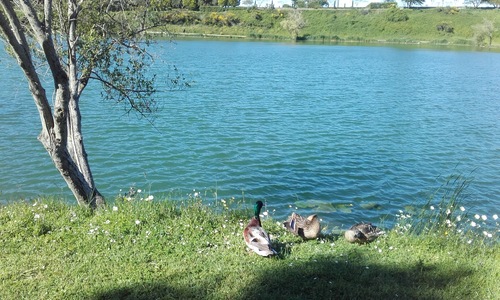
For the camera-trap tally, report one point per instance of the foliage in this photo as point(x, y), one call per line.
point(445, 27)
point(474, 3)
point(448, 10)
point(495, 3)
point(441, 210)
point(181, 17)
point(329, 25)
point(192, 249)
point(395, 14)
point(161, 5)
point(221, 19)
point(228, 3)
point(483, 33)
point(190, 4)
point(380, 5)
point(293, 23)
point(445, 216)
point(411, 3)
point(113, 51)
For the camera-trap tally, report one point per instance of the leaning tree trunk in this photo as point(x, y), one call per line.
point(61, 129)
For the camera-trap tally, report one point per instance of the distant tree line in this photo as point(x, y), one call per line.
point(476, 3)
point(161, 5)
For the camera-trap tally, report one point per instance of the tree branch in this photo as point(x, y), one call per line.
point(16, 38)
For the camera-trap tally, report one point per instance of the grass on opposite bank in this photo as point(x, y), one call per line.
point(439, 26)
point(188, 250)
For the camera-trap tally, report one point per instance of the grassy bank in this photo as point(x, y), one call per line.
point(189, 250)
point(441, 26)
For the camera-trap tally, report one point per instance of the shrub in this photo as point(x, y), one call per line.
point(217, 19)
point(483, 33)
point(395, 14)
point(448, 10)
point(181, 17)
point(444, 27)
point(382, 5)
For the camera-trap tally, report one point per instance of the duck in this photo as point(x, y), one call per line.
point(255, 236)
point(307, 228)
point(362, 233)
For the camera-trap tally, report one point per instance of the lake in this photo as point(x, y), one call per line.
point(349, 132)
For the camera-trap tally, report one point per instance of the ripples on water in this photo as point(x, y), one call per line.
point(359, 127)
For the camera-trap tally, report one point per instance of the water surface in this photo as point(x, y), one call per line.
point(351, 132)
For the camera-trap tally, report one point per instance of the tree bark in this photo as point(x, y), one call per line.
point(61, 133)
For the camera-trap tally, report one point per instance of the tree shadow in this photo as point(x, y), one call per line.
point(350, 276)
point(148, 291)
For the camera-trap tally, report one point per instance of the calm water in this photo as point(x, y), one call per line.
point(352, 132)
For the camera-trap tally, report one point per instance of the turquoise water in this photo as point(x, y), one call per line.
point(351, 132)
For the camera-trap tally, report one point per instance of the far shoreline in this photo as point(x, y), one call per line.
point(187, 36)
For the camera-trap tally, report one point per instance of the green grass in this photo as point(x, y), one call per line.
point(189, 250)
point(342, 25)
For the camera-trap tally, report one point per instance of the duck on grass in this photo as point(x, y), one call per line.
point(255, 236)
point(257, 239)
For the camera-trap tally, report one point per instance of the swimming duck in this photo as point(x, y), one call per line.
point(362, 233)
point(255, 236)
point(307, 228)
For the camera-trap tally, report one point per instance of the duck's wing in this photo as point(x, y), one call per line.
point(291, 225)
point(258, 240)
point(294, 222)
point(370, 229)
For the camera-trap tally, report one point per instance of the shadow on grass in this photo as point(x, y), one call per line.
point(337, 278)
point(350, 276)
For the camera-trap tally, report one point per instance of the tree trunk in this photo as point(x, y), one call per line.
point(61, 133)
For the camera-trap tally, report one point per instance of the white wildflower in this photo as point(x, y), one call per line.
point(448, 211)
point(137, 222)
point(495, 216)
point(150, 198)
point(462, 208)
point(107, 222)
point(459, 218)
point(139, 190)
point(484, 217)
point(473, 224)
point(115, 208)
point(432, 207)
point(477, 216)
point(37, 216)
